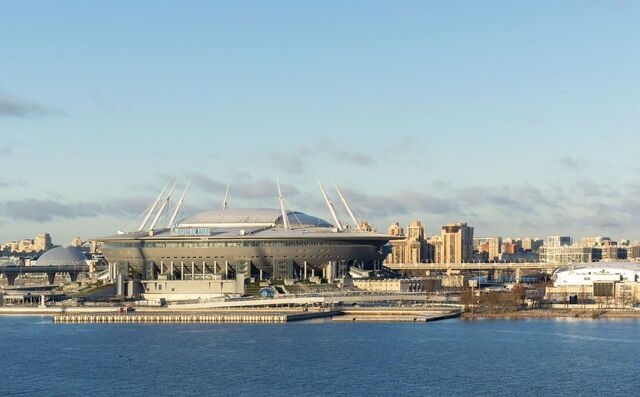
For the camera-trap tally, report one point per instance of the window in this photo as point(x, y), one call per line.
point(603, 289)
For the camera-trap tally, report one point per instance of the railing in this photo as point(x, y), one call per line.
point(473, 265)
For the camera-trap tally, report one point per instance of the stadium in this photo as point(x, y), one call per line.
point(228, 244)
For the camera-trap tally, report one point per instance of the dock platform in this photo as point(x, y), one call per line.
point(205, 317)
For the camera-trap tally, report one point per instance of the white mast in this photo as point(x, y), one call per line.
point(331, 208)
point(285, 217)
point(346, 205)
point(226, 195)
point(163, 206)
point(153, 207)
point(175, 212)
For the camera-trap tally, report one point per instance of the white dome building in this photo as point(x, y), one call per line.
point(587, 274)
point(61, 256)
point(598, 282)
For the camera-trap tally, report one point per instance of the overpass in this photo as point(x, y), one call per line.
point(12, 272)
point(517, 267)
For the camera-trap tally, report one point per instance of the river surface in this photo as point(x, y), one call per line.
point(451, 357)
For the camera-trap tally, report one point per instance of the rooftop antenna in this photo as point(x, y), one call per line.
point(331, 208)
point(226, 195)
point(175, 212)
point(153, 207)
point(346, 205)
point(163, 206)
point(285, 217)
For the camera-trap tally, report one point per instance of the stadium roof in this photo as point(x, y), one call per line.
point(250, 217)
point(600, 266)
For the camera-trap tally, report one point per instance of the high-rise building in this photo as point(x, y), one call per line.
point(412, 249)
point(569, 254)
point(558, 241)
point(42, 242)
point(397, 246)
point(435, 248)
point(509, 247)
point(495, 248)
point(76, 242)
point(633, 251)
point(457, 243)
point(395, 230)
point(416, 250)
point(531, 244)
point(95, 247)
point(416, 231)
point(365, 226)
point(512, 245)
point(594, 241)
point(13, 246)
point(489, 248)
point(25, 245)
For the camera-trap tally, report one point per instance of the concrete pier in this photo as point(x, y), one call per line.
point(349, 315)
point(395, 316)
point(211, 317)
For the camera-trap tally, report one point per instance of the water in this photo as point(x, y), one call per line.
point(452, 357)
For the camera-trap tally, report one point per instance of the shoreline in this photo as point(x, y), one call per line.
point(355, 314)
point(555, 313)
point(230, 315)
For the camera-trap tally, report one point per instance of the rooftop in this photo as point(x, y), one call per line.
point(250, 217)
point(600, 266)
point(60, 256)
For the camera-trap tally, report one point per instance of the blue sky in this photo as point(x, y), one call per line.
point(521, 119)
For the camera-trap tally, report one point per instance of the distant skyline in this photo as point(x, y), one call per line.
point(519, 119)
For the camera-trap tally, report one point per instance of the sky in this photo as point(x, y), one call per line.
point(521, 119)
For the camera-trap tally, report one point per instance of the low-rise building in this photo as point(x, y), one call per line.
point(42, 242)
point(569, 254)
point(416, 284)
point(25, 245)
point(611, 282)
point(633, 251)
point(531, 244)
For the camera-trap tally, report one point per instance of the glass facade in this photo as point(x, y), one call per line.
point(226, 244)
point(243, 266)
point(192, 231)
point(282, 269)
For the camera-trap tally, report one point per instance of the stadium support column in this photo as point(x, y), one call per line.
point(182, 270)
point(11, 278)
point(52, 277)
point(328, 271)
point(193, 269)
point(119, 284)
point(305, 271)
point(518, 271)
point(226, 269)
point(112, 272)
